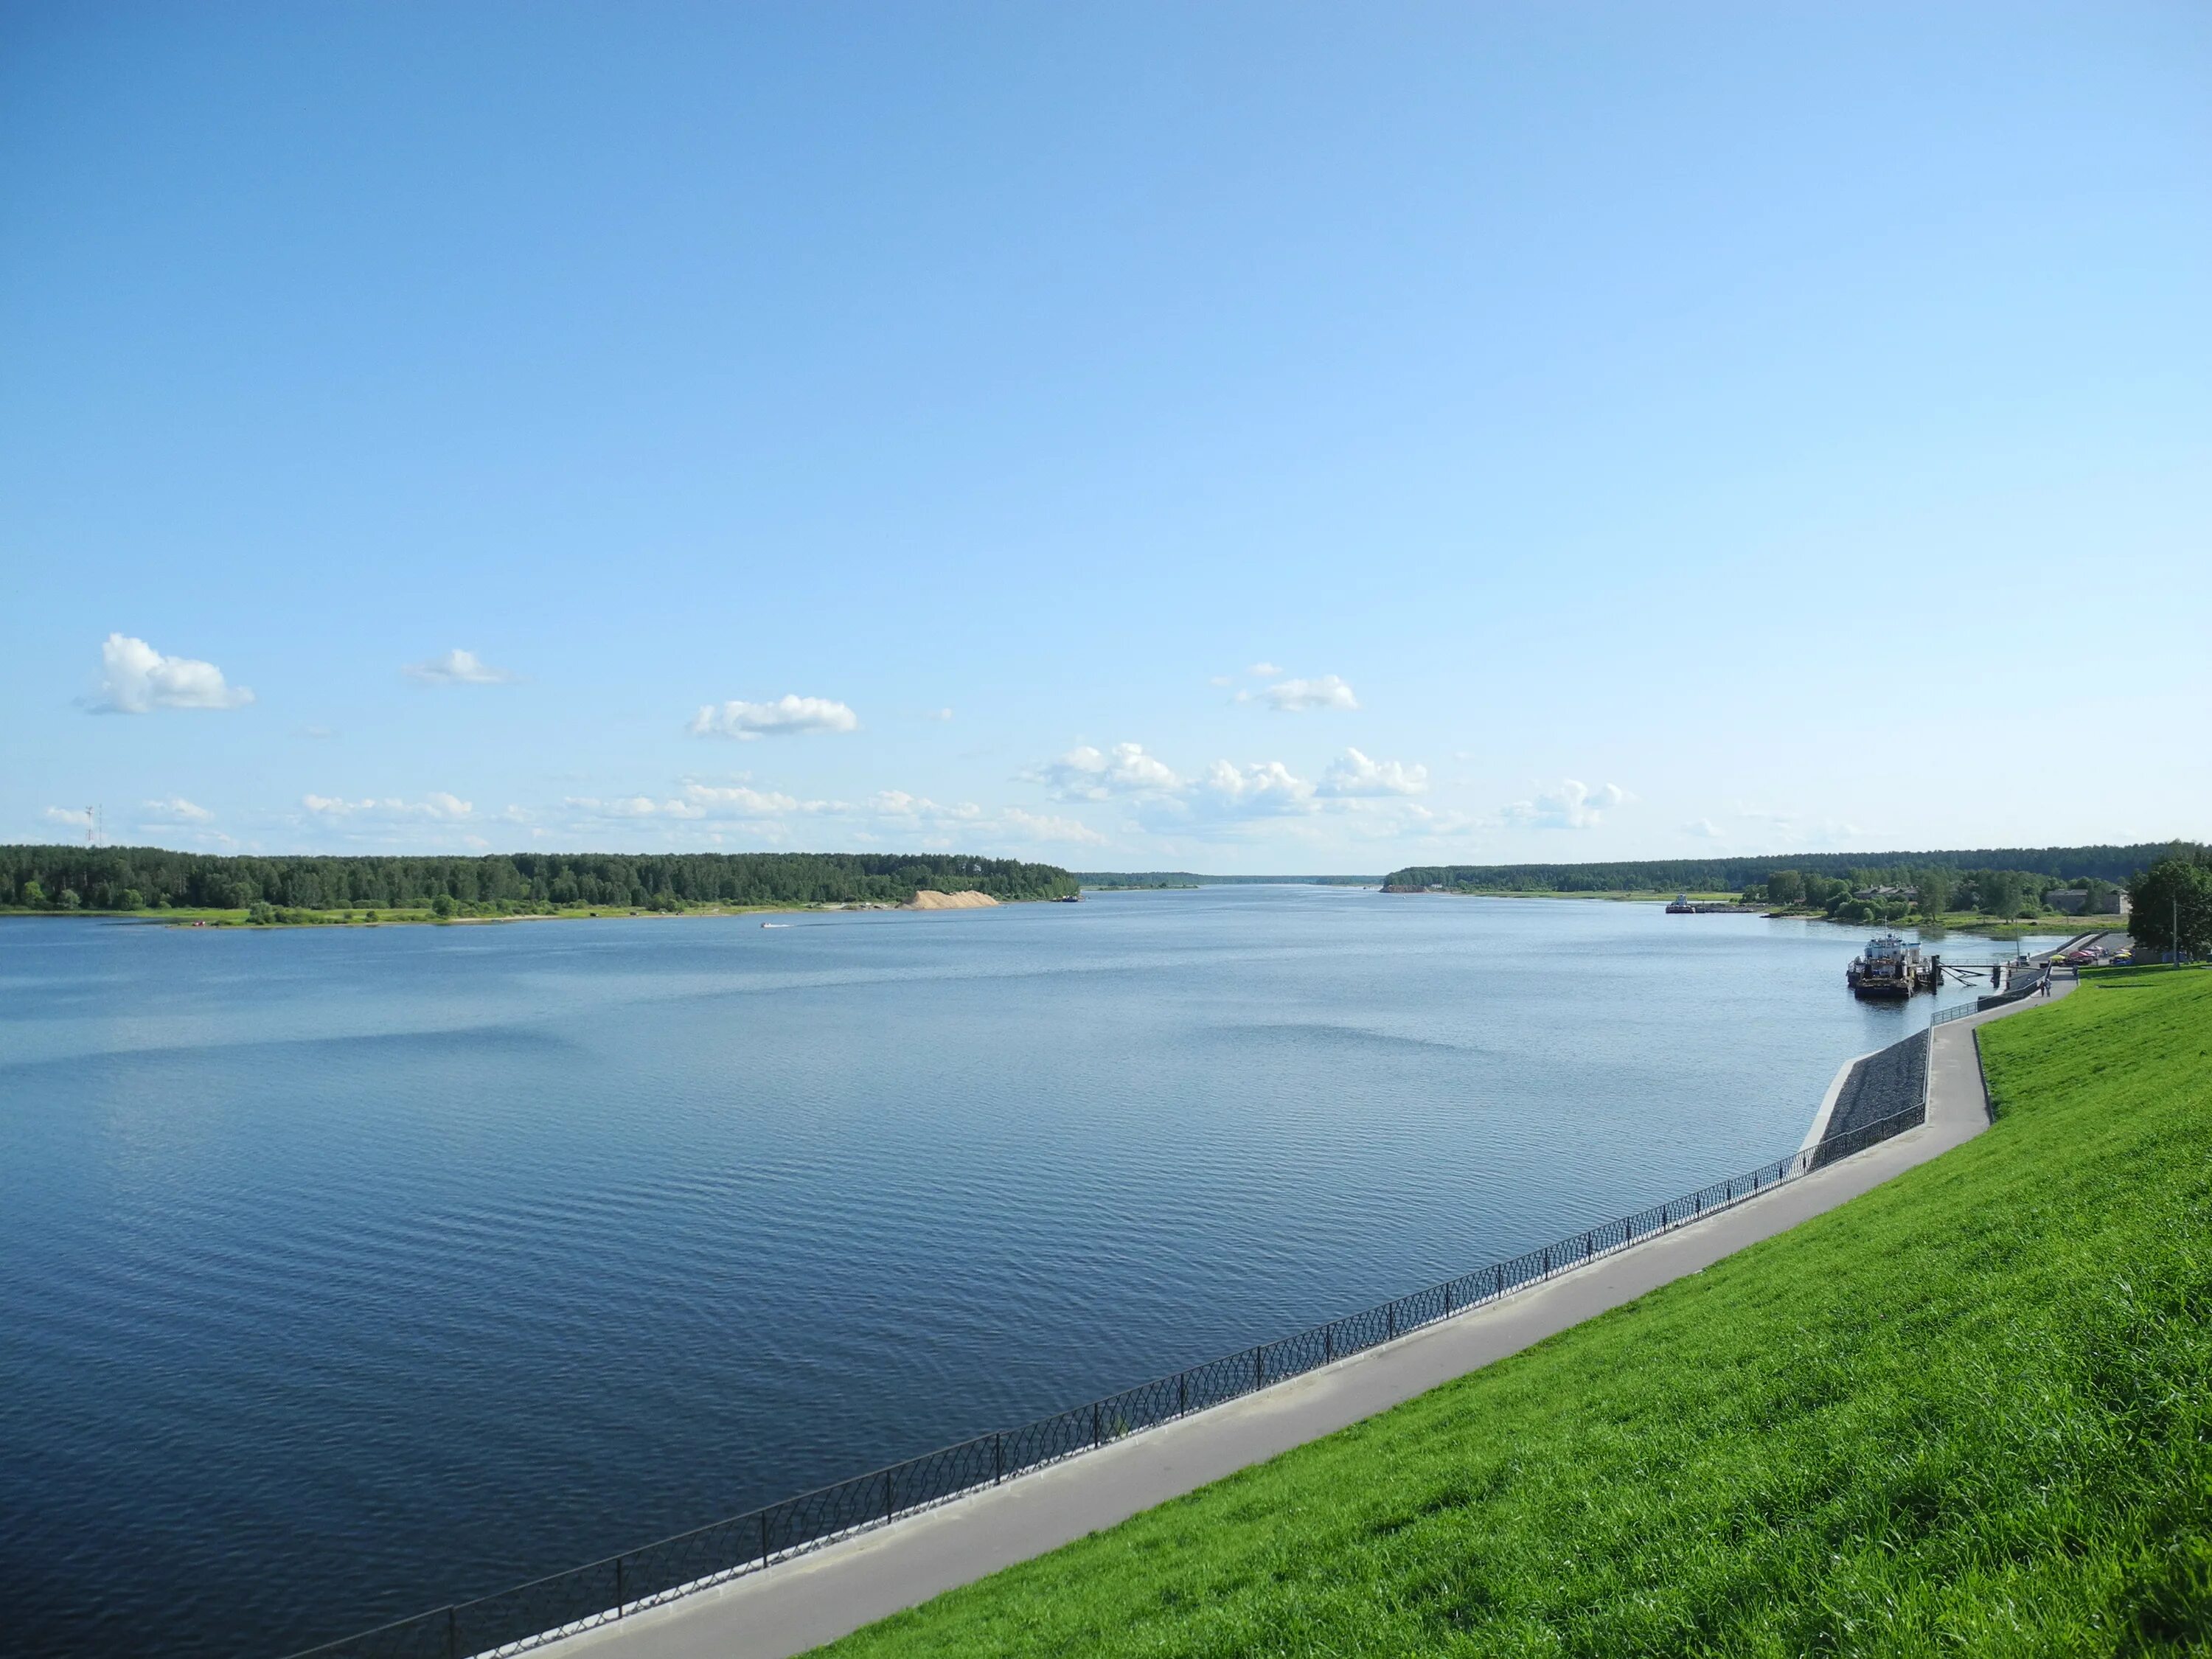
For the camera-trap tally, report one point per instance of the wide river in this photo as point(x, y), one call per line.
point(346, 1272)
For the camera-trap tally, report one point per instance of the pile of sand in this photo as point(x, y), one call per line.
point(926, 900)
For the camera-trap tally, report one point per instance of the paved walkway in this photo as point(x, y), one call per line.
point(817, 1598)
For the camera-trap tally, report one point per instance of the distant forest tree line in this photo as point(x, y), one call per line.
point(144, 878)
point(1893, 894)
point(2054, 866)
point(2168, 885)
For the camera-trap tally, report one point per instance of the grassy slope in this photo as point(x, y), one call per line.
point(1970, 1412)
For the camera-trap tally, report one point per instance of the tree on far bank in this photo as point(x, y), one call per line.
point(2173, 905)
point(1934, 887)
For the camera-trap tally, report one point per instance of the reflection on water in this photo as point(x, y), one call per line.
point(350, 1273)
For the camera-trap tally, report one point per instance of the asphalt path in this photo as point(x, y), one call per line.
point(824, 1594)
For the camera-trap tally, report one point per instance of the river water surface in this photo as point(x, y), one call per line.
point(349, 1273)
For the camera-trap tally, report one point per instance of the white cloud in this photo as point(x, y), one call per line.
point(1790, 829)
point(725, 803)
point(1266, 789)
point(1087, 774)
point(1703, 829)
point(739, 801)
point(1031, 826)
point(1353, 775)
point(897, 803)
point(76, 818)
point(787, 716)
point(177, 810)
point(136, 679)
point(1424, 821)
point(632, 807)
point(939, 714)
point(1263, 671)
point(457, 667)
point(1573, 806)
point(437, 804)
point(1298, 696)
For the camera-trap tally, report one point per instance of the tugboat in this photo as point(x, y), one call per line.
point(1891, 968)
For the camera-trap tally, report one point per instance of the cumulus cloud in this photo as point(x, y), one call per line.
point(177, 810)
point(457, 667)
point(437, 804)
point(1703, 829)
point(1573, 806)
point(632, 807)
point(1087, 774)
point(1352, 775)
point(1299, 696)
point(76, 818)
point(742, 800)
point(787, 716)
point(1792, 829)
point(737, 802)
point(136, 679)
point(1265, 788)
point(1424, 821)
point(897, 803)
point(1033, 826)
point(1263, 671)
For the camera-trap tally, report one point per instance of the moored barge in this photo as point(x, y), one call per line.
point(1891, 968)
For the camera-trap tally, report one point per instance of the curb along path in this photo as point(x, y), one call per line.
point(828, 1592)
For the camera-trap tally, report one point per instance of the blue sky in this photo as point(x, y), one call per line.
point(1237, 438)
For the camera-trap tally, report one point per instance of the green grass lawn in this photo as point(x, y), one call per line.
point(1970, 1412)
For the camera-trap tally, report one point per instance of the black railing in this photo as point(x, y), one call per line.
point(606, 1590)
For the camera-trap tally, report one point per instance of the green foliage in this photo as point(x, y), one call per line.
point(69, 900)
point(1969, 1412)
point(1933, 883)
point(2000, 892)
point(1728, 875)
point(1785, 887)
point(509, 884)
point(2174, 892)
point(130, 899)
point(442, 906)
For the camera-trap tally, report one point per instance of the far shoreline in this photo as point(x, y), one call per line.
point(421, 916)
point(1961, 921)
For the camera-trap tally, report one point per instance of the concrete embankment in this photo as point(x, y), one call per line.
point(824, 1594)
point(1883, 1085)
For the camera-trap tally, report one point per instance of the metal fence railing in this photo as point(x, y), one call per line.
point(527, 1614)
